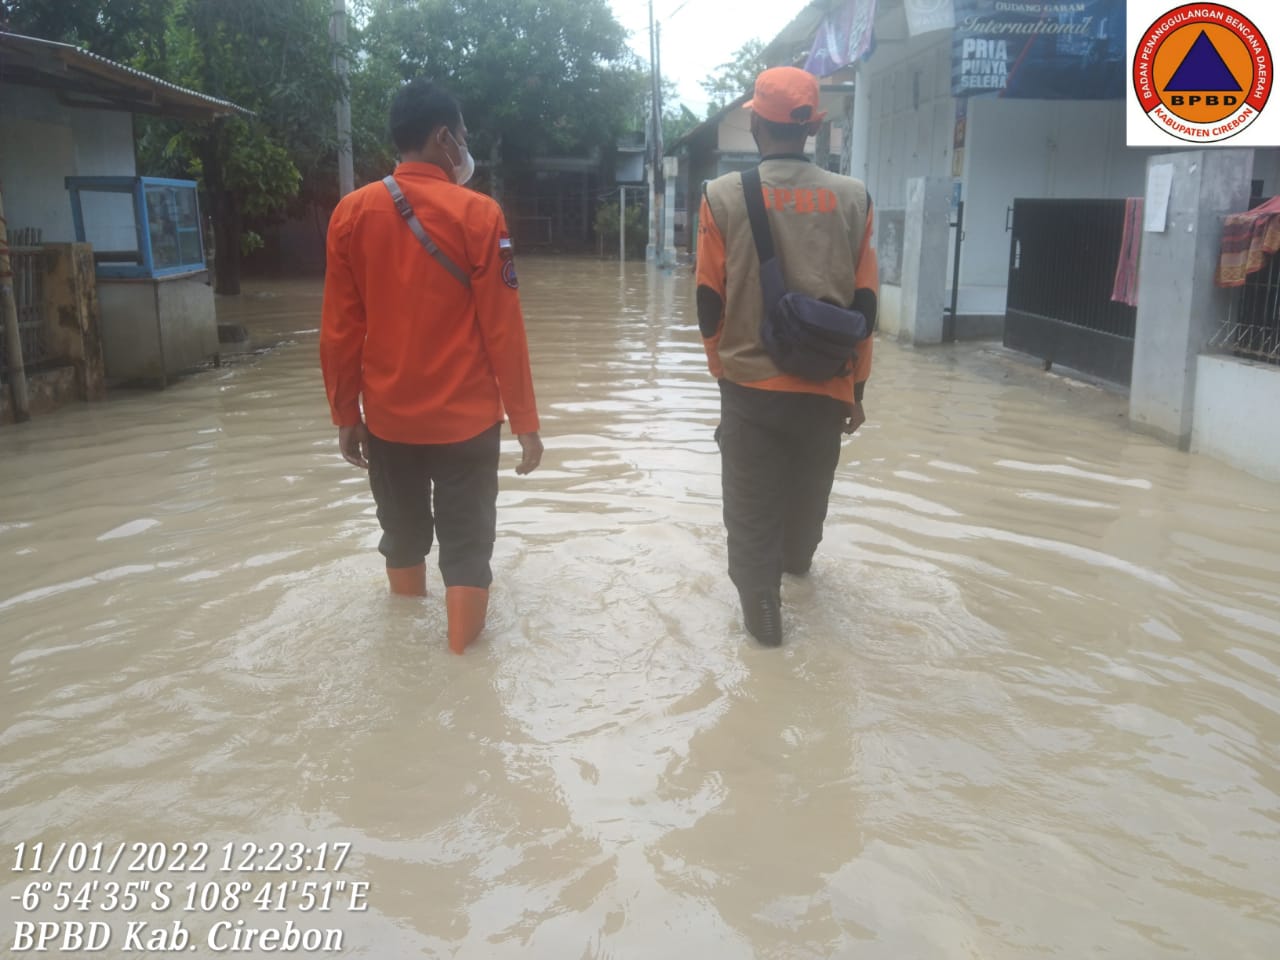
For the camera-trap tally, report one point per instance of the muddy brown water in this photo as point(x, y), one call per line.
point(1028, 706)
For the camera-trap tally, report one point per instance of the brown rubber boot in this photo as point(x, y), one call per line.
point(408, 581)
point(466, 607)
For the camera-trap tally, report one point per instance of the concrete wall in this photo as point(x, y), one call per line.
point(59, 142)
point(912, 116)
point(73, 326)
point(889, 312)
point(1012, 148)
point(153, 330)
point(47, 390)
point(1266, 167)
point(71, 331)
point(924, 260)
point(1179, 305)
point(1234, 414)
point(1033, 148)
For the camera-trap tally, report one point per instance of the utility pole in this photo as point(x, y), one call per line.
point(657, 186)
point(346, 159)
point(660, 176)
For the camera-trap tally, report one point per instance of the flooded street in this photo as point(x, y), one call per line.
point(1028, 703)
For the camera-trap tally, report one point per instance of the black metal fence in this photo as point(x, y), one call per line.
point(1063, 256)
point(1252, 327)
point(27, 261)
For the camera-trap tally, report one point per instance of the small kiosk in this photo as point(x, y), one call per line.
point(158, 316)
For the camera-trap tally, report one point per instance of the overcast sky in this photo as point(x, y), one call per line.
point(699, 35)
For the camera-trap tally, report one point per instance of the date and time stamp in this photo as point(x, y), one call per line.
point(139, 898)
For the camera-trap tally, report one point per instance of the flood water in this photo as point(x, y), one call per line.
point(1028, 704)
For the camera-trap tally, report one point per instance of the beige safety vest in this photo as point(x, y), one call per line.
point(819, 222)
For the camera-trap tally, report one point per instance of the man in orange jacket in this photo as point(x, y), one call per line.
point(422, 322)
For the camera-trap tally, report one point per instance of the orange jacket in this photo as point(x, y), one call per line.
point(433, 361)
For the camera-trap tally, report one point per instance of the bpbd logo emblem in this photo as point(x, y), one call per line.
point(1202, 72)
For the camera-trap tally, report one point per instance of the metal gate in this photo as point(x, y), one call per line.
point(27, 262)
point(1252, 328)
point(1062, 267)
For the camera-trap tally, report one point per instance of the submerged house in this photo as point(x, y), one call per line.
point(111, 274)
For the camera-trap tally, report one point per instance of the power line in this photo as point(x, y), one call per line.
point(683, 4)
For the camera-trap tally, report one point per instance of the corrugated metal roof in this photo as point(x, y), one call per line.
point(52, 59)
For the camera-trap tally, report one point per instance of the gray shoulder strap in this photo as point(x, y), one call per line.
point(406, 211)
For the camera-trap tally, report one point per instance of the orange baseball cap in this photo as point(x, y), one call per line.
point(786, 95)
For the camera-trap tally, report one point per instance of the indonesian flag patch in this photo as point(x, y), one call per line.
point(507, 256)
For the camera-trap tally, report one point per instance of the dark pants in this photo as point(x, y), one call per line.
point(462, 481)
point(778, 456)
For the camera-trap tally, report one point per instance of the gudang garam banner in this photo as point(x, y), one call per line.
point(1039, 51)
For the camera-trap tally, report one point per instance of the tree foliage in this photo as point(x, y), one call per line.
point(116, 29)
point(735, 77)
point(677, 119)
point(272, 57)
point(534, 76)
point(637, 227)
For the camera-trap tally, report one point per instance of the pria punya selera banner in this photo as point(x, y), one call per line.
point(1039, 51)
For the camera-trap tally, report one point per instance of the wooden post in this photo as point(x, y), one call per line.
point(822, 147)
point(13, 337)
point(495, 169)
point(338, 34)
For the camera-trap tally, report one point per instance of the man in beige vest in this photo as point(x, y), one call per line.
point(779, 434)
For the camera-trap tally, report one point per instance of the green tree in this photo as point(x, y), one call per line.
point(606, 224)
point(677, 120)
point(534, 76)
point(116, 29)
point(274, 58)
point(735, 77)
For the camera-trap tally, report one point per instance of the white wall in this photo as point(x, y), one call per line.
point(733, 135)
point(1013, 148)
point(1234, 414)
point(910, 128)
point(1035, 148)
point(54, 142)
point(889, 311)
point(912, 120)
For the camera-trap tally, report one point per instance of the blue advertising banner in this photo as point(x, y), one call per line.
point(1039, 51)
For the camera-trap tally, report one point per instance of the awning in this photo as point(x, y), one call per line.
point(83, 79)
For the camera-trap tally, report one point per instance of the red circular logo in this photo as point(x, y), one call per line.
point(1202, 72)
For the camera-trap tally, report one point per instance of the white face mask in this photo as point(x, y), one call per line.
point(465, 168)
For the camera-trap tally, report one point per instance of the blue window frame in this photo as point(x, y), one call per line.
point(166, 240)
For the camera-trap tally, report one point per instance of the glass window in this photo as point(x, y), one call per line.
point(162, 222)
point(105, 209)
point(188, 217)
point(110, 227)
